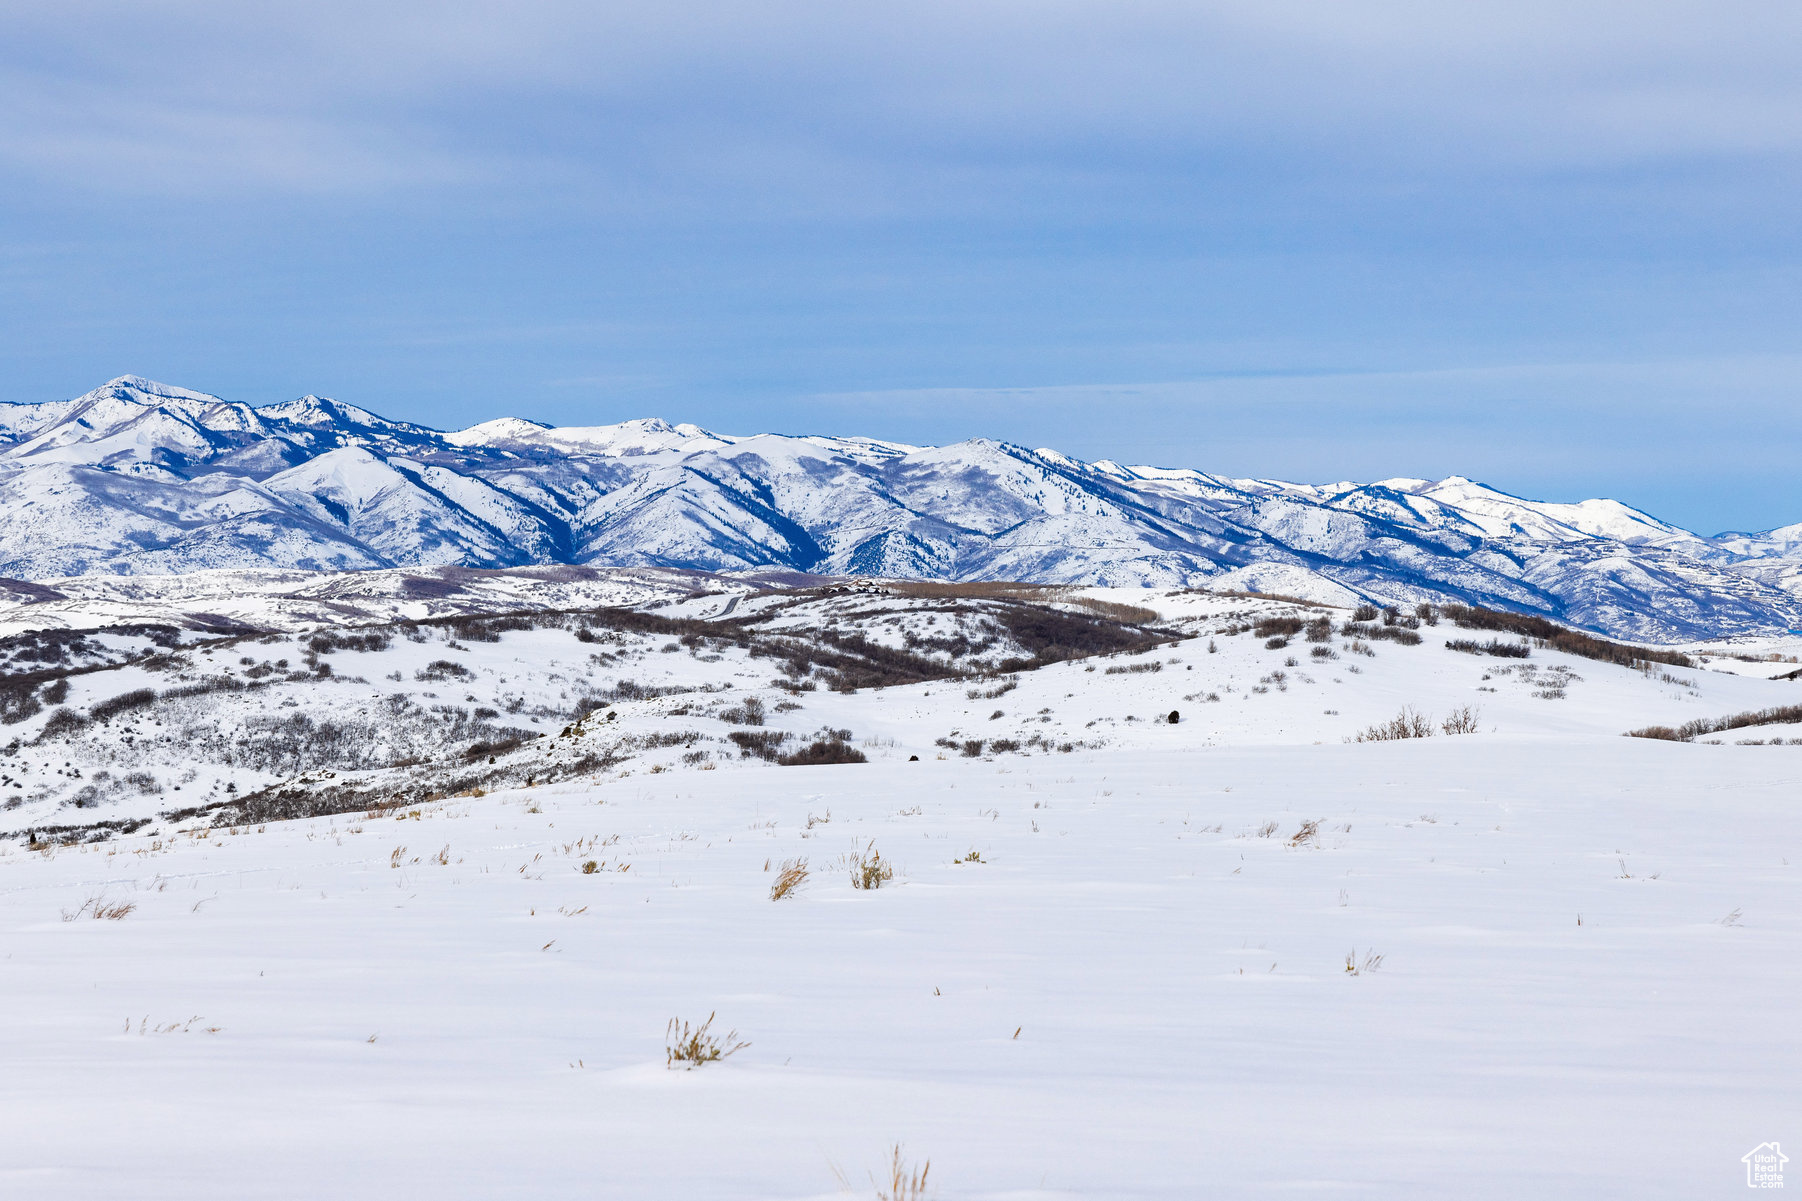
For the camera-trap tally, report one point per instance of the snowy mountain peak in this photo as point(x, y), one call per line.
point(312, 410)
point(499, 430)
point(146, 391)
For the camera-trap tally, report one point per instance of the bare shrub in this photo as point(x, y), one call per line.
point(693, 1046)
point(1461, 721)
point(749, 713)
point(791, 876)
point(1406, 724)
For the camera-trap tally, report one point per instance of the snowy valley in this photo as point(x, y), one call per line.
point(1065, 892)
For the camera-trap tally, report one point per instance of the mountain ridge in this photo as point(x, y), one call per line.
point(139, 477)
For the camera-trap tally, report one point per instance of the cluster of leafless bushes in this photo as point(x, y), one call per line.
point(1412, 724)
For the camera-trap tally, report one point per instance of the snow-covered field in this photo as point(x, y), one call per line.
point(1118, 969)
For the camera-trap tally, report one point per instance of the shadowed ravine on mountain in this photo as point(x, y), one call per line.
point(139, 478)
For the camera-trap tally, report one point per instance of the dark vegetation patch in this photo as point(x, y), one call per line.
point(1394, 633)
point(137, 698)
point(362, 643)
point(761, 744)
point(830, 749)
point(1495, 646)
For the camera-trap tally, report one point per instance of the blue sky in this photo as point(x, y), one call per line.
point(1550, 246)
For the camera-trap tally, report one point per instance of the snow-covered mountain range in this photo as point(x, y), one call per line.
point(139, 478)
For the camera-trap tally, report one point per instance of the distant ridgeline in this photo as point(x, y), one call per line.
point(140, 478)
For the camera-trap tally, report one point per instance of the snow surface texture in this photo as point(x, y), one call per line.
point(140, 478)
point(1111, 961)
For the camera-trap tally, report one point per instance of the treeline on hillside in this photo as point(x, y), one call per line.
point(1556, 637)
point(1689, 731)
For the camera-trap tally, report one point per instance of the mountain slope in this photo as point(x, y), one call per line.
point(138, 477)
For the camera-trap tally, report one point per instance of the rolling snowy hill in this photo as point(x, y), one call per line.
point(140, 478)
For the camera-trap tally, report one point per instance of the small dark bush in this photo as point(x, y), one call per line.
point(1273, 627)
point(750, 713)
point(1364, 612)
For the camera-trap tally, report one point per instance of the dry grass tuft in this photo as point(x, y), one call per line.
point(869, 869)
point(694, 1046)
point(101, 909)
point(790, 878)
point(1356, 967)
point(1309, 832)
point(905, 1183)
